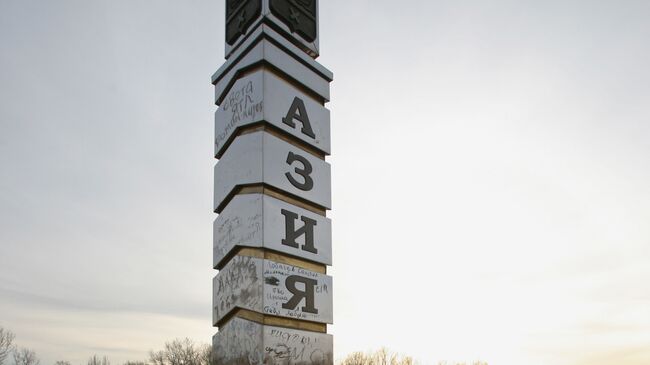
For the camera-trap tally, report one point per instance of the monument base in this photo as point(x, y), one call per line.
point(244, 342)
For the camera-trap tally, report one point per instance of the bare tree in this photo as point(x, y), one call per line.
point(179, 352)
point(6, 344)
point(157, 357)
point(62, 363)
point(96, 360)
point(135, 363)
point(182, 352)
point(207, 356)
point(356, 358)
point(25, 356)
point(381, 357)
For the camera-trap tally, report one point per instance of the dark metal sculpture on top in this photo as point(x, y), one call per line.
point(240, 15)
point(298, 15)
point(298, 19)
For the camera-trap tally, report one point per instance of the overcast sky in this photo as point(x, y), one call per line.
point(491, 177)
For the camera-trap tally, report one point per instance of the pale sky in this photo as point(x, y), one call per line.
point(491, 177)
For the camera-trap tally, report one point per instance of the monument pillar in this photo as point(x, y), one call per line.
point(272, 297)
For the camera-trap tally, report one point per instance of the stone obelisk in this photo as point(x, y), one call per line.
point(272, 297)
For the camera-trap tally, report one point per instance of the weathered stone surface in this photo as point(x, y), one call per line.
point(257, 220)
point(264, 97)
point(272, 288)
point(242, 342)
point(266, 47)
point(261, 158)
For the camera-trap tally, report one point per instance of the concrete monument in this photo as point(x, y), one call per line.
point(272, 297)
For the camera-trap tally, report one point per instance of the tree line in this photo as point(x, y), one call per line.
point(385, 357)
point(176, 352)
point(188, 352)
